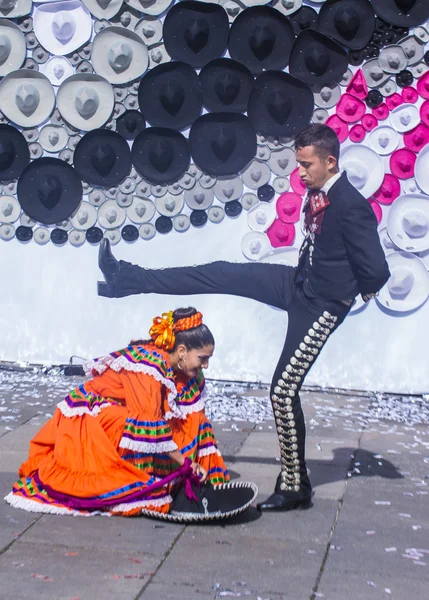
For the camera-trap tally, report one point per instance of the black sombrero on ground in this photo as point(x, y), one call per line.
point(214, 503)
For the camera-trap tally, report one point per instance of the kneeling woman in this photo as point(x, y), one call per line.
point(118, 443)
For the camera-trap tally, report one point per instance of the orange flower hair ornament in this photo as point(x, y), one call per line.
point(164, 328)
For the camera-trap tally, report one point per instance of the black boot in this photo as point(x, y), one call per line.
point(110, 267)
point(289, 499)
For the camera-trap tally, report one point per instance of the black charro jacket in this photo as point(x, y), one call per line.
point(347, 257)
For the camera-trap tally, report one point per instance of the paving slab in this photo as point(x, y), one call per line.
point(62, 572)
point(338, 585)
point(12, 522)
point(227, 555)
point(144, 536)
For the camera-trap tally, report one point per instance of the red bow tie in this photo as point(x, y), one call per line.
point(314, 210)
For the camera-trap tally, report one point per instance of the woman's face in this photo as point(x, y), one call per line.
point(192, 361)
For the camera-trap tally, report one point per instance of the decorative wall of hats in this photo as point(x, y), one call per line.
point(128, 119)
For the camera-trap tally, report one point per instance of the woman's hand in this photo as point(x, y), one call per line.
point(177, 457)
point(200, 471)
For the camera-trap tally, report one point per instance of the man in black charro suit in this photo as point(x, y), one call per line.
point(340, 257)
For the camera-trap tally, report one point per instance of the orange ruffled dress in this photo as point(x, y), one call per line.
point(105, 447)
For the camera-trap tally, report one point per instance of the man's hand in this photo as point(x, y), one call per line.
point(368, 297)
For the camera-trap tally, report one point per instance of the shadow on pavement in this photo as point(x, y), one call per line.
point(364, 464)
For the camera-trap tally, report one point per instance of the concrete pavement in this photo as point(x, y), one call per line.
point(366, 537)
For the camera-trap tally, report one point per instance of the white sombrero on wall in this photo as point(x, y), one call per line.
point(119, 55)
point(255, 244)
point(383, 139)
point(10, 209)
point(386, 243)
point(62, 27)
point(261, 216)
point(12, 47)
point(421, 171)
point(15, 8)
point(57, 69)
point(26, 97)
point(405, 117)
point(86, 101)
point(408, 286)
point(408, 222)
point(364, 168)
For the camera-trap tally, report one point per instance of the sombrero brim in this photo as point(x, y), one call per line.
point(359, 305)
point(269, 212)
point(21, 9)
point(281, 256)
point(155, 9)
point(414, 118)
point(43, 19)
point(100, 52)
point(57, 69)
point(99, 12)
point(388, 11)
point(18, 48)
point(421, 170)
point(338, 61)
point(8, 89)
point(260, 237)
point(418, 294)
point(365, 156)
point(374, 140)
point(232, 499)
point(326, 24)
point(66, 101)
point(395, 229)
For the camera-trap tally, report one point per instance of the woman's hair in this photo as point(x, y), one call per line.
point(194, 338)
point(322, 137)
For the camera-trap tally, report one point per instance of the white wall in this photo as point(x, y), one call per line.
point(49, 310)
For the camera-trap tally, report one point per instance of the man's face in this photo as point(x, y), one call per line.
point(314, 170)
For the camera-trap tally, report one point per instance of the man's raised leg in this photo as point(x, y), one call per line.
point(267, 283)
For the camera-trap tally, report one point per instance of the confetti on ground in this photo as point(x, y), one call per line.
point(44, 578)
